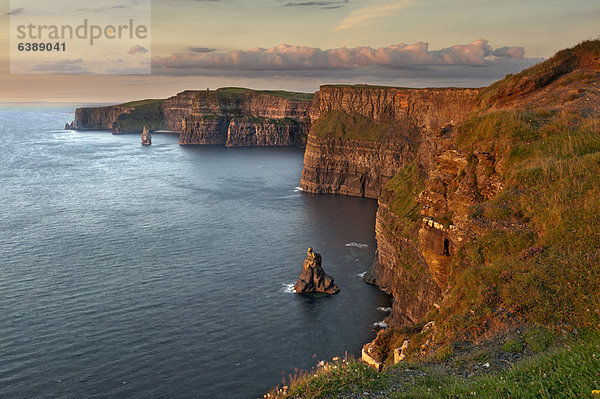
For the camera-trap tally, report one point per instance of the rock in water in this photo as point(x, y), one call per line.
point(146, 136)
point(313, 277)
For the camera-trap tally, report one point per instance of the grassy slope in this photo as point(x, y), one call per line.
point(145, 113)
point(567, 369)
point(546, 274)
point(343, 125)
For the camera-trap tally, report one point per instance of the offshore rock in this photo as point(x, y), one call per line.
point(146, 136)
point(313, 278)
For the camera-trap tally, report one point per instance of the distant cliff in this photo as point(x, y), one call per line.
point(239, 117)
point(229, 116)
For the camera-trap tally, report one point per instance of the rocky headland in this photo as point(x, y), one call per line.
point(228, 116)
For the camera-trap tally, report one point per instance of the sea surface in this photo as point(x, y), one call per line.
point(166, 271)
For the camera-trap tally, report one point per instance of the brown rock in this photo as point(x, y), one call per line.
point(313, 278)
point(419, 119)
point(146, 136)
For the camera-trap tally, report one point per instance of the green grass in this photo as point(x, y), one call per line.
point(333, 380)
point(512, 346)
point(551, 185)
point(295, 96)
point(356, 127)
point(145, 113)
point(571, 369)
point(569, 372)
point(400, 193)
point(143, 102)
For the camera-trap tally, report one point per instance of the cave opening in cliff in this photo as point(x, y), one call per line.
point(446, 247)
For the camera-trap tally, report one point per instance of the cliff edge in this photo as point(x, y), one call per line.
point(488, 198)
point(227, 116)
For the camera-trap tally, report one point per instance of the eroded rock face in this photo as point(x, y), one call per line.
point(231, 117)
point(98, 118)
point(247, 118)
point(358, 167)
point(313, 278)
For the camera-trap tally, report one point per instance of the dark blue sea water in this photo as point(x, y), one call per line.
point(164, 271)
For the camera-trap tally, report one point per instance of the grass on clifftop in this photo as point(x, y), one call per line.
point(145, 113)
point(143, 102)
point(290, 95)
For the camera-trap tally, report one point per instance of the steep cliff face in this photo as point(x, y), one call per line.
point(100, 118)
point(239, 117)
point(376, 142)
point(229, 116)
point(363, 135)
point(123, 118)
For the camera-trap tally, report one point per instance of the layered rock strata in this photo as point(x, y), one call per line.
point(229, 116)
point(383, 131)
point(403, 124)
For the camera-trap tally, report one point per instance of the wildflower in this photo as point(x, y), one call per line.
point(596, 392)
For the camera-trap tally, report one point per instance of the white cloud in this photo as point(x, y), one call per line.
point(301, 58)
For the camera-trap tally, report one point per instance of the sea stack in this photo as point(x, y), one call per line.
point(313, 278)
point(146, 136)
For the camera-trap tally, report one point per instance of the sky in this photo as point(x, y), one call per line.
point(299, 45)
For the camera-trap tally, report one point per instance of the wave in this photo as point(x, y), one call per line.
point(361, 275)
point(380, 324)
point(356, 244)
point(382, 309)
point(287, 288)
point(296, 189)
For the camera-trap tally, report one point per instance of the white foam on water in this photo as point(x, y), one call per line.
point(288, 288)
point(357, 245)
point(361, 275)
point(382, 309)
point(381, 324)
point(296, 189)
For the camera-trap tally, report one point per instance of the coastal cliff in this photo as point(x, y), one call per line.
point(239, 117)
point(228, 116)
point(363, 135)
point(369, 141)
point(477, 192)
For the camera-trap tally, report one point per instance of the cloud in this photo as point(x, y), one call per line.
point(289, 58)
point(364, 15)
point(16, 11)
point(137, 49)
point(326, 5)
point(202, 49)
point(510, 52)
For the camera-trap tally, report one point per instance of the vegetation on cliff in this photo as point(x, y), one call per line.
point(345, 126)
point(290, 95)
point(529, 221)
point(147, 113)
point(570, 367)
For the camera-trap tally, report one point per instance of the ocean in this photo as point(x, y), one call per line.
point(166, 271)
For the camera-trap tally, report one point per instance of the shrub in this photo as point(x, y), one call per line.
point(512, 346)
